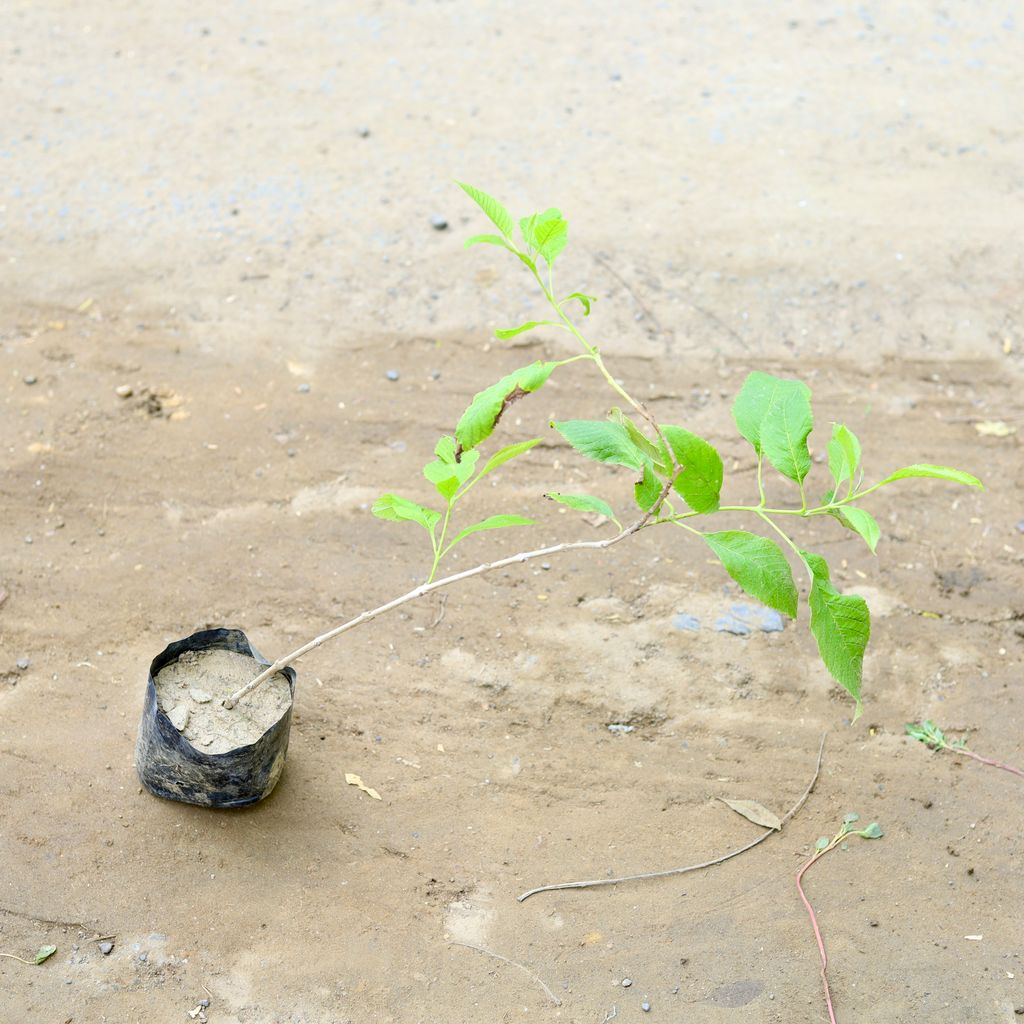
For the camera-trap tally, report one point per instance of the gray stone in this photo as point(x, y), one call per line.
point(106, 948)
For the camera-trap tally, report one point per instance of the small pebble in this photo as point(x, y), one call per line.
point(23, 663)
point(106, 948)
point(436, 375)
point(143, 957)
point(303, 389)
point(28, 540)
point(1020, 526)
point(31, 379)
point(545, 565)
point(645, 1006)
point(626, 982)
point(200, 696)
point(204, 1003)
point(364, 132)
point(124, 391)
point(437, 222)
point(391, 375)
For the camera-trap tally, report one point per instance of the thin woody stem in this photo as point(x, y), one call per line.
point(985, 760)
point(427, 588)
point(818, 854)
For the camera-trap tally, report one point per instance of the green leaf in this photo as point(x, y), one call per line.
point(861, 522)
point(500, 217)
point(546, 232)
point(510, 332)
point(503, 455)
point(774, 415)
point(44, 954)
point(822, 843)
point(486, 240)
point(478, 421)
point(647, 489)
point(584, 300)
point(841, 624)
point(396, 509)
point(584, 503)
point(445, 449)
point(843, 455)
point(700, 482)
point(758, 566)
point(602, 442)
point(849, 819)
point(490, 523)
point(955, 476)
point(873, 831)
point(928, 733)
point(448, 477)
point(657, 457)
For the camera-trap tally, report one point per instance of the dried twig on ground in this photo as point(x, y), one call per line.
point(690, 867)
point(526, 970)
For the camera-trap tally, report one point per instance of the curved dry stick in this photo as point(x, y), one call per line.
point(817, 931)
point(594, 883)
point(505, 959)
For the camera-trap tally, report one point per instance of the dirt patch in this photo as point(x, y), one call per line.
point(191, 689)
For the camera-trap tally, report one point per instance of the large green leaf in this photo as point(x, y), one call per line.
point(841, 624)
point(546, 232)
point(843, 455)
point(758, 566)
point(396, 509)
point(774, 415)
point(448, 477)
point(490, 523)
point(477, 422)
point(584, 503)
point(861, 522)
point(956, 476)
point(700, 482)
point(657, 457)
point(500, 217)
point(602, 441)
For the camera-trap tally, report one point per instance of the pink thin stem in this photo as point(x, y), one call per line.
point(987, 760)
point(817, 932)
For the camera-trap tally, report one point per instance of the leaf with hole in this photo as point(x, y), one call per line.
point(602, 441)
point(700, 482)
point(755, 812)
point(499, 216)
point(758, 566)
point(841, 624)
point(478, 421)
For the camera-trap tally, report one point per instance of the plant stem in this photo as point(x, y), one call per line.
point(11, 956)
point(427, 588)
point(439, 548)
point(818, 854)
point(985, 760)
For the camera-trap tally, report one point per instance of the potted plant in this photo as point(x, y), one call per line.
point(216, 717)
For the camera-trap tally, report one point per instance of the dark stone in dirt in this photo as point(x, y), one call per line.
point(30, 379)
point(737, 993)
point(438, 223)
point(106, 948)
point(959, 581)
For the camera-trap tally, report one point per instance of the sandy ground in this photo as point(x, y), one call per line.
point(230, 216)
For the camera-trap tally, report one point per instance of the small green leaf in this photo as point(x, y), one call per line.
point(546, 232)
point(774, 415)
point(928, 733)
point(602, 442)
point(849, 819)
point(510, 332)
point(584, 503)
point(44, 954)
point(448, 477)
point(500, 217)
point(758, 566)
point(503, 455)
point(861, 522)
point(822, 843)
point(841, 624)
point(584, 300)
point(657, 457)
point(490, 523)
point(956, 476)
point(396, 509)
point(843, 455)
point(445, 449)
point(478, 421)
point(647, 490)
point(873, 831)
point(700, 482)
point(486, 240)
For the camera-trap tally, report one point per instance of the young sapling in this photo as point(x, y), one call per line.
point(932, 736)
point(677, 476)
point(821, 847)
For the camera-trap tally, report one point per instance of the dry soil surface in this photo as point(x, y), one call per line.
point(217, 243)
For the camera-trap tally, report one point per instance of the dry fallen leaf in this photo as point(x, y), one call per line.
point(755, 812)
point(354, 780)
point(994, 428)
